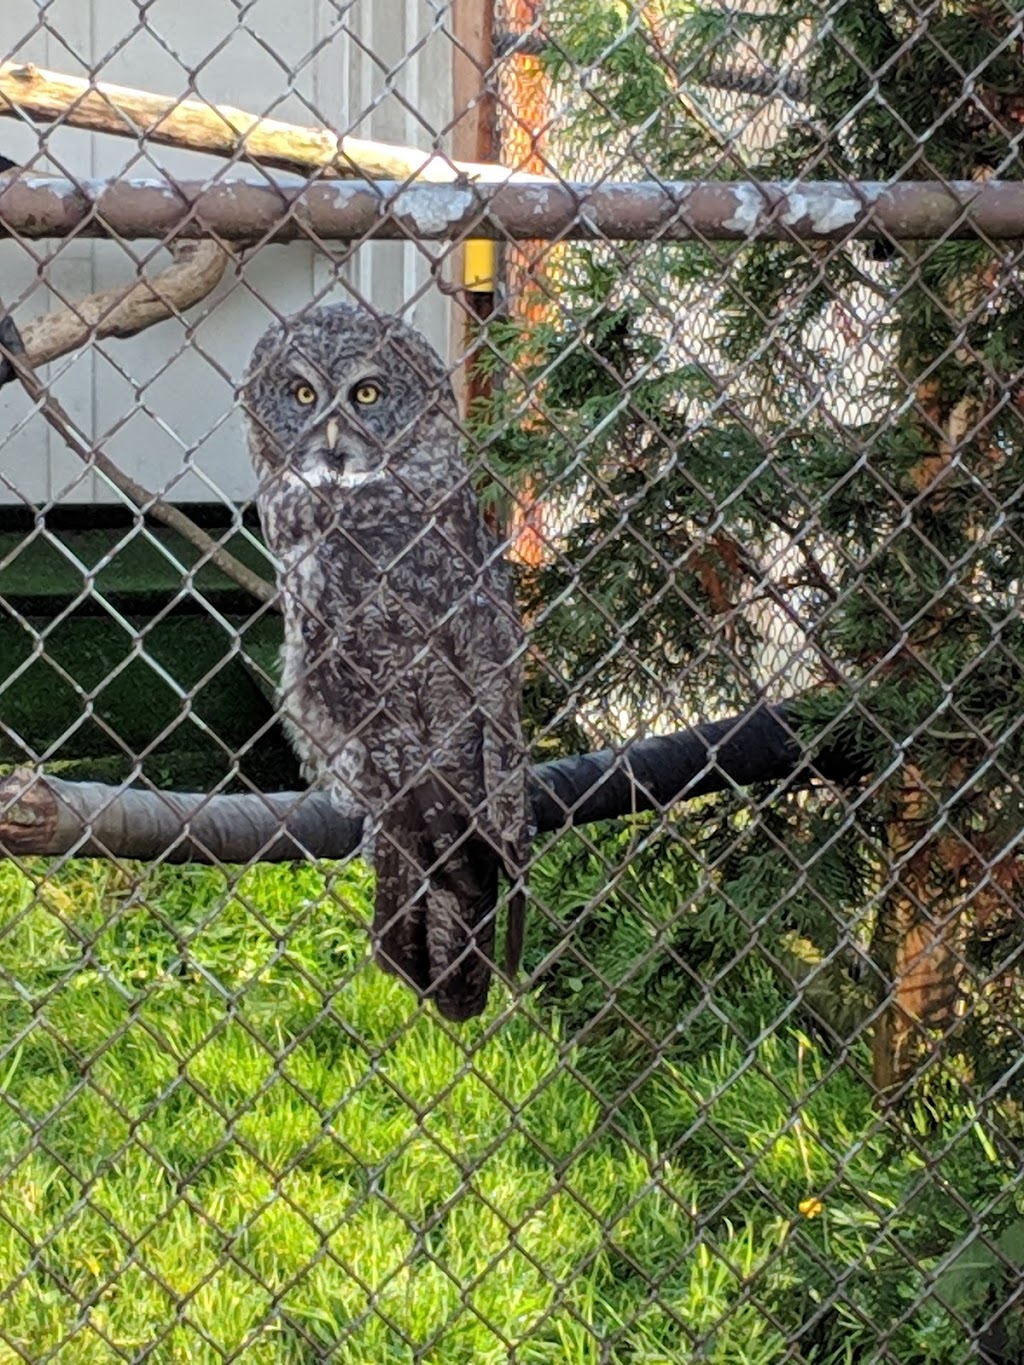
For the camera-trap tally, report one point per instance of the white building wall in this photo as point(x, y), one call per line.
point(163, 403)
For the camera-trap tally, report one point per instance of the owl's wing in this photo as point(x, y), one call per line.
point(488, 644)
point(464, 816)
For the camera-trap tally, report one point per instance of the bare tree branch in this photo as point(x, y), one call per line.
point(45, 96)
point(740, 210)
point(47, 815)
point(12, 354)
point(128, 309)
point(745, 78)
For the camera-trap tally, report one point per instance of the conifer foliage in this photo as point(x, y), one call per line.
point(794, 470)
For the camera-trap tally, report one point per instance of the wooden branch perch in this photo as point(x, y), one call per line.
point(128, 309)
point(125, 311)
point(47, 96)
point(13, 355)
point(46, 815)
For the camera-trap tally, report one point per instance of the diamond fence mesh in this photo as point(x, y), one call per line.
point(730, 300)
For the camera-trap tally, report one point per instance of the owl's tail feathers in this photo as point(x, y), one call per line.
point(437, 898)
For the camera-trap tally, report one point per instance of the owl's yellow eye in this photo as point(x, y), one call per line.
point(305, 394)
point(367, 393)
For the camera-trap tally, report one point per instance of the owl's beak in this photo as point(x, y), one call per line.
point(332, 433)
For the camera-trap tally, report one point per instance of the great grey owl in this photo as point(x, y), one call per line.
point(401, 675)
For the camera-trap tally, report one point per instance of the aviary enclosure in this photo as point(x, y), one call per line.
point(731, 299)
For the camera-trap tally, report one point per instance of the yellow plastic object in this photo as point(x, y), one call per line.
point(480, 268)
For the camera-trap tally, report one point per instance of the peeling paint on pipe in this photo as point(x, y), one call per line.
point(289, 209)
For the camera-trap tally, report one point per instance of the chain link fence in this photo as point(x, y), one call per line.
point(730, 300)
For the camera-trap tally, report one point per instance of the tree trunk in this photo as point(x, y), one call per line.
point(920, 939)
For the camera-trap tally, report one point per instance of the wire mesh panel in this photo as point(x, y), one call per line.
point(617, 525)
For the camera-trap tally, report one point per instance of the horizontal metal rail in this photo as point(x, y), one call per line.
point(286, 208)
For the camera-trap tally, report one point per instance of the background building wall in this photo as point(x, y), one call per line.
point(164, 409)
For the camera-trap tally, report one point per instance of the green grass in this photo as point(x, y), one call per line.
point(225, 1136)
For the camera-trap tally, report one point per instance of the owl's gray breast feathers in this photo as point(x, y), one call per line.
point(402, 662)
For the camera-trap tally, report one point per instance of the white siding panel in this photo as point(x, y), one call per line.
point(398, 97)
point(36, 277)
point(163, 403)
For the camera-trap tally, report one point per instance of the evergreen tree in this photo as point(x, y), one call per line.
point(783, 468)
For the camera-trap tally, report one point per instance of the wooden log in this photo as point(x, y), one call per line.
point(129, 308)
point(28, 91)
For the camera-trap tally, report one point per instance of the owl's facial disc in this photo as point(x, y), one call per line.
point(351, 443)
point(341, 435)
